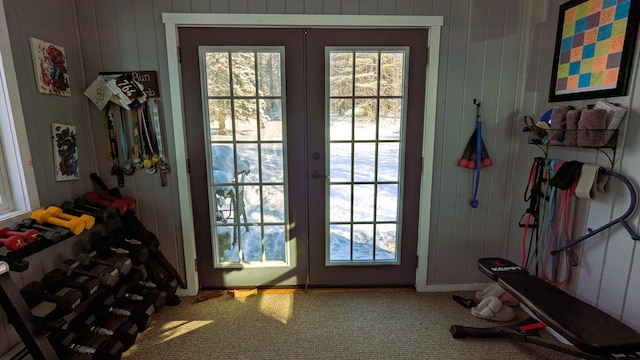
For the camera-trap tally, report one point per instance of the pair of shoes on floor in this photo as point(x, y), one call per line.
point(491, 308)
point(497, 291)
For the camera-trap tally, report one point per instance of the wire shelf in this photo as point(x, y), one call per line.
point(586, 138)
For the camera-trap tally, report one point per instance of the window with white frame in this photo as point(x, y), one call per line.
point(18, 191)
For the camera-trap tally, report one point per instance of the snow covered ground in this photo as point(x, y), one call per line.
point(362, 247)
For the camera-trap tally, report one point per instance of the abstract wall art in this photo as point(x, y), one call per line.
point(65, 152)
point(50, 66)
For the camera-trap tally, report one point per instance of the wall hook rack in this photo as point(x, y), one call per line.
point(622, 219)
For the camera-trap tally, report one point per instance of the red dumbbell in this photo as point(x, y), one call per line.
point(95, 199)
point(12, 242)
point(104, 195)
point(29, 235)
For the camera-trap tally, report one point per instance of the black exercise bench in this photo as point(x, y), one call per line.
point(595, 334)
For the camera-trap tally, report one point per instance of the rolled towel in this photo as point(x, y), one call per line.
point(592, 126)
point(558, 122)
point(571, 135)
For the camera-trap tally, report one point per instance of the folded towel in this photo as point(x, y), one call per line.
point(558, 122)
point(571, 135)
point(614, 113)
point(592, 125)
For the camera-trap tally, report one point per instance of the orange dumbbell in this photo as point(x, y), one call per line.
point(41, 216)
point(88, 220)
point(12, 242)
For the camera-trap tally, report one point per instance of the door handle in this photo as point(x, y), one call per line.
point(317, 175)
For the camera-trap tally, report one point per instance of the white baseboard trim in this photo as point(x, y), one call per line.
point(452, 287)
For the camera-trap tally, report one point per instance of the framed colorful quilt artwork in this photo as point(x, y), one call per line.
point(594, 49)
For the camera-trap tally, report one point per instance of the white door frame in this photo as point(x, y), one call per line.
point(173, 21)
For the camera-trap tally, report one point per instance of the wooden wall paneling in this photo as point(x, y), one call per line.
point(257, 6)
point(312, 7)
point(387, 7)
point(200, 6)
point(454, 137)
point(182, 6)
point(631, 312)
point(482, 80)
point(238, 6)
point(618, 270)
point(441, 9)
point(405, 7)
point(465, 233)
point(294, 6)
point(161, 210)
point(368, 7)
point(509, 116)
point(331, 7)
point(170, 238)
point(492, 183)
point(350, 7)
point(276, 7)
point(220, 6)
point(423, 7)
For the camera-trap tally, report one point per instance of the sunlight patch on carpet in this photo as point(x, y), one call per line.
point(173, 329)
point(279, 307)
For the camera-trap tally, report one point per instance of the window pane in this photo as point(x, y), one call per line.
point(217, 70)
point(340, 203)
point(340, 243)
point(340, 162)
point(341, 74)
point(271, 119)
point(363, 196)
point(243, 73)
point(366, 115)
point(392, 68)
point(366, 78)
point(269, 76)
point(363, 242)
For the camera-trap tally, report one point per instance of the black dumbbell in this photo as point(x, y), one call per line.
point(86, 322)
point(138, 277)
point(104, 303)
point(47, 231)
point(105, 247)
point(57, 279)
point(49, 235)
point(34, 293)
point(82, 204)
point(129, 292)
point(101, 215)
point(108, 276)
point(123, 264)
point(68, 342)
point(120, 237)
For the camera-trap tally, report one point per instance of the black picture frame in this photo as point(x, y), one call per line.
point(594, 51)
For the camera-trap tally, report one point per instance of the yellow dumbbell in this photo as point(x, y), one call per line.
point(41, 216)
point(87, 219)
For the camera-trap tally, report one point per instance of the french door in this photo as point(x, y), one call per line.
point(304, 150)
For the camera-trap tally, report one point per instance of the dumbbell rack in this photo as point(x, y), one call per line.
point(19, 315)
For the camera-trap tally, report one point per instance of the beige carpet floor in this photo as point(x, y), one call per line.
point(324, 324)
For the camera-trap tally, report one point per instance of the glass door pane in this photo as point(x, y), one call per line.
point(366, 106)
point(247, 163)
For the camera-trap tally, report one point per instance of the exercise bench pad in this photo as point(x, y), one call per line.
point(585, 326)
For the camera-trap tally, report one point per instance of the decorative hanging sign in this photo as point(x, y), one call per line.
point(148, 80)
